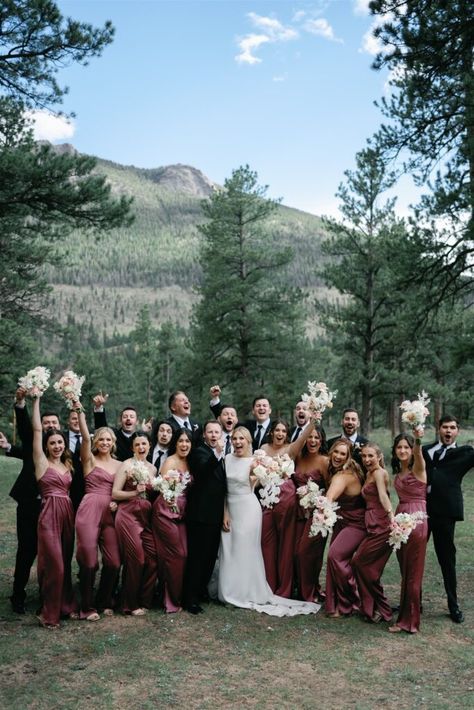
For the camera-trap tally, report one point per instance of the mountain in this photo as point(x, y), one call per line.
point(154, 262)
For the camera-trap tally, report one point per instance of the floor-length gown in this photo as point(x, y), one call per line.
point(138, 552)
point(309, 551)
point(95, 528)
point(169, 530)
point(411, 555)
point(242, 579)
point(55, 546)
point(278, 540)
point(371, 557)
point(342, 596)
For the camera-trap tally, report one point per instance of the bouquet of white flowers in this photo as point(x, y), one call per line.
point(270, 473)
point(69, 386)
point(137, 472)
point(318, 398)
point(310, 495)
point(415, 413)
point(35, 382)
point(171, 485)
point(401, 527)
point(324, 517)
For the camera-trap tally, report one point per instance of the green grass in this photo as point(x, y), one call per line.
point(232, 658)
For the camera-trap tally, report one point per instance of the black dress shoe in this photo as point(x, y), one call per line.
point(457, 616)
point(18, 605)
point(195, 609)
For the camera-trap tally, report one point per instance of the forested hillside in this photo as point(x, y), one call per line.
point(154, 262)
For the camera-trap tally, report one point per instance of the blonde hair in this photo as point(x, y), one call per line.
point(246, 434)
point(98, 433)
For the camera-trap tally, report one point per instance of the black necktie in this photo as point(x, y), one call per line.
point(437, 454)
point(227, 444)
point(77, 445)
point(258, 434)
point(186, 425)
point(158, 459)
point(296, 433)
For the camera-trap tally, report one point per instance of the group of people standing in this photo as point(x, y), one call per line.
point(156, 552)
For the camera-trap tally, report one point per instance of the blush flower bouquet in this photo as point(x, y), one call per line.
point(324, 517)
point(69, 386)
point(310, 495)
point(137, 472)
point(416, 411)
point(402, 526)
point(270, 473)
point(318, 398)
point(171, 485)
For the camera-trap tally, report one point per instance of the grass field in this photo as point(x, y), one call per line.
point(231, 658)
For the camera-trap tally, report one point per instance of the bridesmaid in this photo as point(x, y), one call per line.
point(53, 467)
point(169, 528)
point(373, 553)
point(410, 483)
point(346, 481)
point(311, 465)
point(95, 526)
point(133, 526)
point(279, 522)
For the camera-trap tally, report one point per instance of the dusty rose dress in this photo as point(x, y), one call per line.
point(371, 557)
point(55, 546)
point(169, 531)
point(278, 541)
point(95, 528)
point(341, 588)
point(138, 552)
point(411, 555)
point(309, 551)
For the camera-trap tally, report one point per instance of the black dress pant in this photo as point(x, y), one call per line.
point(27, 514)
point(203, 546)
point(442, 530)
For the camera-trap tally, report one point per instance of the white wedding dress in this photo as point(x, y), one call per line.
point(242, 579)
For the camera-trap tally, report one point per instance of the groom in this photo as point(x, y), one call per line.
point(204, 515)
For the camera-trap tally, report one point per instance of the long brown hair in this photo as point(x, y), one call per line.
point(349, 464)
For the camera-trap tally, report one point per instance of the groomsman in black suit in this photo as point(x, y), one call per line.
point(26, 493)
point(228, 420)
point(161, 436)
point(259, 426)
point(350, 425)
point(204, 515)
point(301, 415)
point(180, 408)
point(447, 464)
point(124, 434)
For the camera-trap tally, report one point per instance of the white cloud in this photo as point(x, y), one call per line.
point(321, 28)
point(361, 7)
point(271, 30)
point(47, 126)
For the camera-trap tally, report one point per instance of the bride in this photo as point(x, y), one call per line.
point(242, 579)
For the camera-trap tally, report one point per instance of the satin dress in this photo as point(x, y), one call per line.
point(411, 555)
point(95, 528)
point(371, 557)
point(55, 546)
point(169, 531)
point(278, 540)
point(309, 551)
point(242, 580)
point(341, 588)
point(137, 550)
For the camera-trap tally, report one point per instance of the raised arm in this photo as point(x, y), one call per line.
point(39, 459)
point(419, 466)
point(87, 457)
point(99, 412)
point(296, 446)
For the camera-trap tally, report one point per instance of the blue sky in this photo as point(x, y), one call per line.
point(283, 86)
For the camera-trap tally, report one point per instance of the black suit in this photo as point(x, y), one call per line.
point(26, 493)
point(123, 444)
point(250, 424)
point(204, 515)
point(196, 429)
point(445, 507)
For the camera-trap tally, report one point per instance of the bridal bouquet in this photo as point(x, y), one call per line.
point(171, 485)
point(324, 517)
point(270, 473)
point(319, 398)
point(69, 386)
point(401, 527)
point(137, 473)
point(310, 496)
point(35, 382)
point(415, 413)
